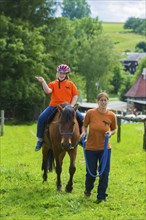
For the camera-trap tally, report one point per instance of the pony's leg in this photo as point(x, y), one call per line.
point(72, 170)
point(45, 176)
point(47, 160)
point(59, 162)
point(44, 163)
point(45, 153)
point(58, 172)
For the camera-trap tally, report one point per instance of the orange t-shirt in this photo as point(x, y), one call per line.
point(99, 123)
point(62, 91)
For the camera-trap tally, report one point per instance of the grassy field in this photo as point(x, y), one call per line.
point(123, 39)
point(24, 197)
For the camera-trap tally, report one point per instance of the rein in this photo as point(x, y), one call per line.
point(103, 159)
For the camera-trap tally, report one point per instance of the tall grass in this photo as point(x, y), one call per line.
point(25, 197)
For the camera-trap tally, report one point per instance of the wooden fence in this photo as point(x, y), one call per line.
point(2, 122)
point(119, 118)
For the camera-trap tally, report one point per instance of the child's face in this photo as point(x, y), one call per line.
point(61, 76)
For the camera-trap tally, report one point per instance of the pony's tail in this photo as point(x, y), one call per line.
point(48, 162)
point(51, 164)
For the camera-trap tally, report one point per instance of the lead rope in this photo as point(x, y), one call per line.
point(103, 159)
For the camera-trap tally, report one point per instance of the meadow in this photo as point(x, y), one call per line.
point(25, 197)
point(124, 39)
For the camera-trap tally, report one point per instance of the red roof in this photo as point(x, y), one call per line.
point(138, 90)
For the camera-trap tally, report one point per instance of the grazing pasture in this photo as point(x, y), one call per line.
point(25, 197)
point(124, 39)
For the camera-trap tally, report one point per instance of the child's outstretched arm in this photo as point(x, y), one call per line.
point(46, 88)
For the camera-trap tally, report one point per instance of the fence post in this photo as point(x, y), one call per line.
point(2, 122)
point(119, 130)
point(144, 136)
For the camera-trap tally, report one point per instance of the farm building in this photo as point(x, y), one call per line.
point(136, 96)
point(131, 62)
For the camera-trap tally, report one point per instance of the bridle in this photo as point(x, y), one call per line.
point(66, 132)
point(67, 136)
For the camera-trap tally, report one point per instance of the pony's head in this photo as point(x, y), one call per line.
point(67, 124)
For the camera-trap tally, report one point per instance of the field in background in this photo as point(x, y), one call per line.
point(123, 39)
point(24, 197)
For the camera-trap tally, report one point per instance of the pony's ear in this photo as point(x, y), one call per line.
point(59, 107)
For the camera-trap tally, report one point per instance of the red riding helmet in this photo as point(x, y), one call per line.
point(63, 68)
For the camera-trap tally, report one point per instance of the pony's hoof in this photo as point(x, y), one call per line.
point(44, 180)
point(59, 189)
point(68, 189)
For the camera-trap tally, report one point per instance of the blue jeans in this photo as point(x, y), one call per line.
point(47, 115)
point(80, 118)
point(43, 119)
point(93, 157)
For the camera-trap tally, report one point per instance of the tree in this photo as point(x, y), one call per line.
point(75, 9)
point(140, 68)
point(136, 24)
point(97, 61)
point(116, 80)
point(35, 11)
point(125, 86)
point(95, 56)
point(141, 46)
point(23, 56)
point(26, 53)
point(129, 23)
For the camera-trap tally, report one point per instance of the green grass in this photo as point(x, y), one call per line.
point(24, 197)
point(124, 40)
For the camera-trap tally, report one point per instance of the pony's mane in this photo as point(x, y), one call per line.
point(67, 114)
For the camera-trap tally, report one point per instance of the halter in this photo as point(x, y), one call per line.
point(66, 132)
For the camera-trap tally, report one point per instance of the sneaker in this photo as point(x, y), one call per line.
point(100, 200)
point(39, 145)
point(87, 193)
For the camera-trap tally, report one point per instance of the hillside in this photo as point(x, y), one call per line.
point(123, 39)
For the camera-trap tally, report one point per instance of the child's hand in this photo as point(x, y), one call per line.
point(40, 79)
point(109, 133)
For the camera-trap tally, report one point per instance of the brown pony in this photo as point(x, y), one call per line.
point(63, 136)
